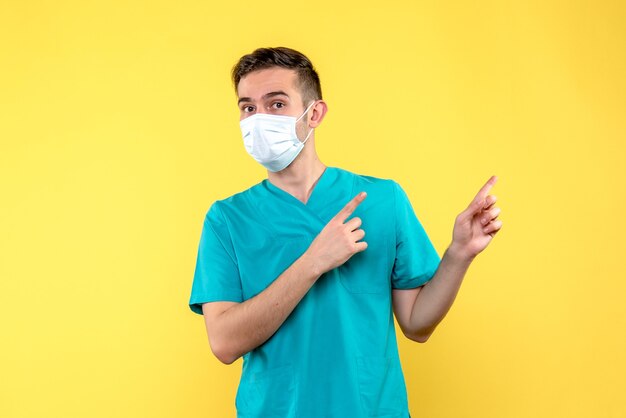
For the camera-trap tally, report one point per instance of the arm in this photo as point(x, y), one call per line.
point(420, 310)
point(237, 328)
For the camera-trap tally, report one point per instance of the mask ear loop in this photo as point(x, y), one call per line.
point(305, 112)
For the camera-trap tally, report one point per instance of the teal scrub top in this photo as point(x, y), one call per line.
point(336, 354)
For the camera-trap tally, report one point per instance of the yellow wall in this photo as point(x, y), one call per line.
point(119, 128)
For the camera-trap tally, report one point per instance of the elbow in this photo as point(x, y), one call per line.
point(418, 337)
point(225, 357)
point(422, 339)
point(223, 353)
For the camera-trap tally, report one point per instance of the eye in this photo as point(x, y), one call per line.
point(247, 108)
point(278, 105)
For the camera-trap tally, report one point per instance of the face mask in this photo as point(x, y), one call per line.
point(272, 139)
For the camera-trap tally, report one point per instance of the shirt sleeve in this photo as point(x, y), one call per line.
point(216, 277)
point(416, 258)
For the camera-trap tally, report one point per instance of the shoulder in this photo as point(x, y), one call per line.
point(381, 192)
point(236, 203)
point(369, 183)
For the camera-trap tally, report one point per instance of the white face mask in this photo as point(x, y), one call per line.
point(272, 139)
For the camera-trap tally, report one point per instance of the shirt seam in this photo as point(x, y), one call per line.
point(220, 214)
point(395, 213)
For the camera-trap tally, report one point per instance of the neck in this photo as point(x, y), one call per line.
point(300, 177)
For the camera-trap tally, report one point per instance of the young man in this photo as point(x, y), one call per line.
point(301, 273)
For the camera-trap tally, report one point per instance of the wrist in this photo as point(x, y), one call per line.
point(310, 266)
point(459, 255)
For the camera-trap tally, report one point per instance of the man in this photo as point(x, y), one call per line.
point(301, 273)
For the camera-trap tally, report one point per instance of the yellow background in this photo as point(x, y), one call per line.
point(119, 128)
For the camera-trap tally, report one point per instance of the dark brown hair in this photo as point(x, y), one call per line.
point(262, 58)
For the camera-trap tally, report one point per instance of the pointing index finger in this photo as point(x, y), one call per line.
point(347, 210)
point(482, 193)
point(479, 201)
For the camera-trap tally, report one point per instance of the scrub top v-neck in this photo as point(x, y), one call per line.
point(336, 354)
point(317, 198)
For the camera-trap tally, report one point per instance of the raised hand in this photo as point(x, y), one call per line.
point(475, 227)
point(339, 240)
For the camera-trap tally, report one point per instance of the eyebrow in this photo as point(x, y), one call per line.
point(265, 96)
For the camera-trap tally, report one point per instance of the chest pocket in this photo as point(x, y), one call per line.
point(369, 271)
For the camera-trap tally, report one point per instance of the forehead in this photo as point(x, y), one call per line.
point(258, 83)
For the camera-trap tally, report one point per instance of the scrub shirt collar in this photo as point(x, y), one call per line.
point(317, 196)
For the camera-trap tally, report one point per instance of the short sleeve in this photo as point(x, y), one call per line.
point(416, 258)
point(216, 277)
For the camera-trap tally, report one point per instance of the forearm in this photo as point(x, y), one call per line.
point(249, 324)
point(436, 297)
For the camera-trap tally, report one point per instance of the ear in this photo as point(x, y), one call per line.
point(317, 113)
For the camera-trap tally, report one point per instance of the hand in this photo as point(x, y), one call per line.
point(475, 227)
point(339, 240)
